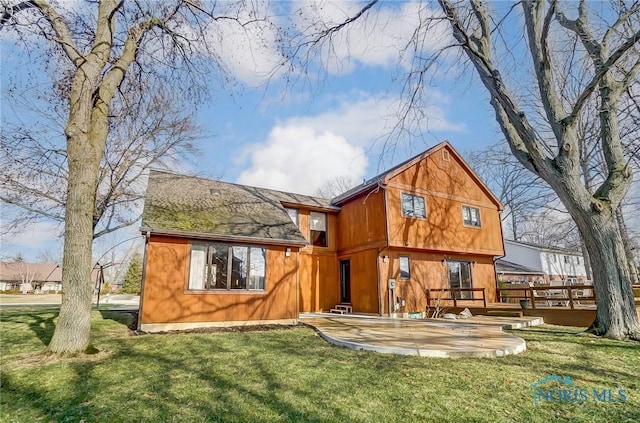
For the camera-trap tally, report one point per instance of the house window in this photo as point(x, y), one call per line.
point(566, 260)
point(293, 214)
point(471, 216)
point(459, 274)
point(318, 227)
point(405, 268)
point(223, 267)
point(413, 206)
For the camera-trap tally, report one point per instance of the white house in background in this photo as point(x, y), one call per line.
point(27, 277)
point(557, 264)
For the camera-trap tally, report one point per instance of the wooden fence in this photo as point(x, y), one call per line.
point(455, 295)
point(552, 295)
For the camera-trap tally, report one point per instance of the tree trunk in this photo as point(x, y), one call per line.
point(586, 259)
point(74, 322)
point(616, 315)
point(633, 271)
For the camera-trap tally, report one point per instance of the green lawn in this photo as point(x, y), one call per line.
point(293, 375)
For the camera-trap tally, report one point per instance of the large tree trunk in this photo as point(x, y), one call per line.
point(73, 328)
point(616, 315)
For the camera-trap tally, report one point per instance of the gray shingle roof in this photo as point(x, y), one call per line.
point(504, 266)
point(198, 206)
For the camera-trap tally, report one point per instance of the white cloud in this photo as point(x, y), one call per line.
point(301, 159)
point(37, 238)
point(370, 118)
point(389, 35)
point(303, 153)
point(244, 42)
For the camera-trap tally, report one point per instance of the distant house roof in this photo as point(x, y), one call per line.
point(560, 250)
point(183, 205)
point(504, 266)
point(384, 177)
point(36, 272)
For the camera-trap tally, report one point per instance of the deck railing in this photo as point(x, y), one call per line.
point(455, 295)
point(563, 295)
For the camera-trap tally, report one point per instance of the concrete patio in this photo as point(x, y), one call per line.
point(479, 336)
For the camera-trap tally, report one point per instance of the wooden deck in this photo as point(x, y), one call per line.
point(581, 316)
point(569, 305)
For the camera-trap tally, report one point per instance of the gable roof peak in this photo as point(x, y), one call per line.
point(384, 177)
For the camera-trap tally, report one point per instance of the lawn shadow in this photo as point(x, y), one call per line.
point(40, 325)
point(126, 318)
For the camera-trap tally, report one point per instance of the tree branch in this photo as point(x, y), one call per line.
point(59, 26)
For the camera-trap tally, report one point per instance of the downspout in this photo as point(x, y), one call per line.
point(386, 228)
point(297, 285)
point(147, 235)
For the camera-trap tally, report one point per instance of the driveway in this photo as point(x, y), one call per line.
point(475, 337)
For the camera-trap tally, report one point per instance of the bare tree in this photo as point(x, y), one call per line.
point(27, 276)
point(523, 78)
point(111, 50)
point(156, 132)
point(522, 193)
point(336, 187)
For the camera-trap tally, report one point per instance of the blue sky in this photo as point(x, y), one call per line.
point(332, 124)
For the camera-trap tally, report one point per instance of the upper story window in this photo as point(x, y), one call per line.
point(318, 229)
point(293, 214)
point(567, 260)
point(413, 206)
point(471, 216)
point(218, 266)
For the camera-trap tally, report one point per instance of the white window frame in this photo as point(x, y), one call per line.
point(203, 273)
point(471, 223)
point(412, 213)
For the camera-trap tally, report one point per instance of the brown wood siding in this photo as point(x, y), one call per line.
point(429, 272)
point(318, 268)
point(364, 281)
point(318, 282)
point(167, 299)
point(362, 221)
point(446, 186)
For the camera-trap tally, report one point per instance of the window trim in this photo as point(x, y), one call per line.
point(471, 225)
point(326, 230)
point(413, 207)
point(408, 277)
point(229, 270)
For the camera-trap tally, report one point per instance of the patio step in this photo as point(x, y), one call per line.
point(341, 309)
point(504, 313)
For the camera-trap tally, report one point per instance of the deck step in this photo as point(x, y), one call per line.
point(504, 313)
point(342, 309)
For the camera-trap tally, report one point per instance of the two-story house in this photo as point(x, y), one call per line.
point(226, 254)
point(554, 264)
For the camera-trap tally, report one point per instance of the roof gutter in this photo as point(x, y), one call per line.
point(227, 238)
